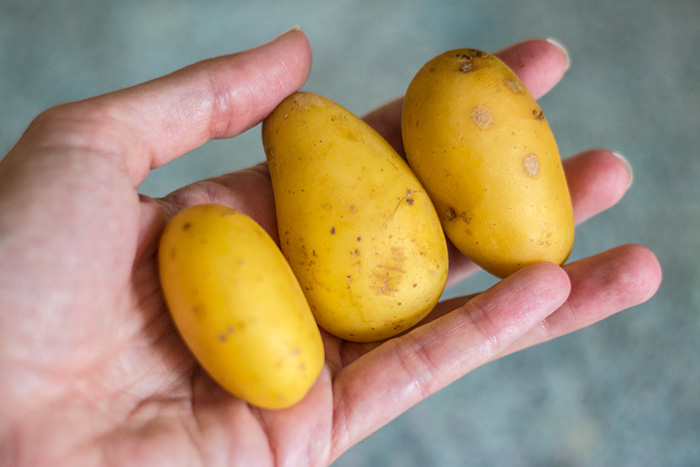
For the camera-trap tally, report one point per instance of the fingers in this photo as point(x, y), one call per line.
point(150, 124)
point(601, 286)
point(597, 180)
point(539, 63)
point(404, 370)
point(527, 308)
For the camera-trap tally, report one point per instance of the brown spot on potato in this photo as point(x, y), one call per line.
point(472, 53)
point(186, 226)
point(515, 85)
point(451, 215)
point(228, 332)
point(387, 277)
point(332, 230)
point(531, 165)
point(482, 117)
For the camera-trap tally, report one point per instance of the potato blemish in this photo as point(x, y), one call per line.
point(515, 85)
point(481, 115)
point(386, 277)
point(531, 164)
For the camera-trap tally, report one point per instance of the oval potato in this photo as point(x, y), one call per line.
point(481, 146)
point(355, 224)
point(238, 306)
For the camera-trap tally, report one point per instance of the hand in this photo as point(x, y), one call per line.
point(92, 370)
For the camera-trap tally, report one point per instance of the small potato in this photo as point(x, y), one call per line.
point(481, 146)
point(238, 306)
point(355, 223)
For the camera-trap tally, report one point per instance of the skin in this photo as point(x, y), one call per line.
point(92, 371)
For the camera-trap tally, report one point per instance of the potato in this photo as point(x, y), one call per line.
point(481, 146)
point(238, 306)
point(355, 224)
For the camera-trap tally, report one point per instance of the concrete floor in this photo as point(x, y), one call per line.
point(625, 392)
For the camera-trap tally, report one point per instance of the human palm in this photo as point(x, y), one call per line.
point(92, 369)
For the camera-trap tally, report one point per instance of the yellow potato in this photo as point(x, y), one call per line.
point(481, 146)
point(238, 306)
point(355, 224)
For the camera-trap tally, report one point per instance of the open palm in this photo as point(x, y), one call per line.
point(92, 371)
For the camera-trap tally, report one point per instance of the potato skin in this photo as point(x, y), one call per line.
point(355, 224)
point(479, 143)
point(238, 306)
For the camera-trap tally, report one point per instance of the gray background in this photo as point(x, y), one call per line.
point(624, 392)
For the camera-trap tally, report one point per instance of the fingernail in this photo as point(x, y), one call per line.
point(563, 51)
point(630, 172)
point(292, 29)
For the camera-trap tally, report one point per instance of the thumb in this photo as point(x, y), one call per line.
point(150, 124)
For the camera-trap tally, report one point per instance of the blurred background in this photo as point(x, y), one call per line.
point(624, 392)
